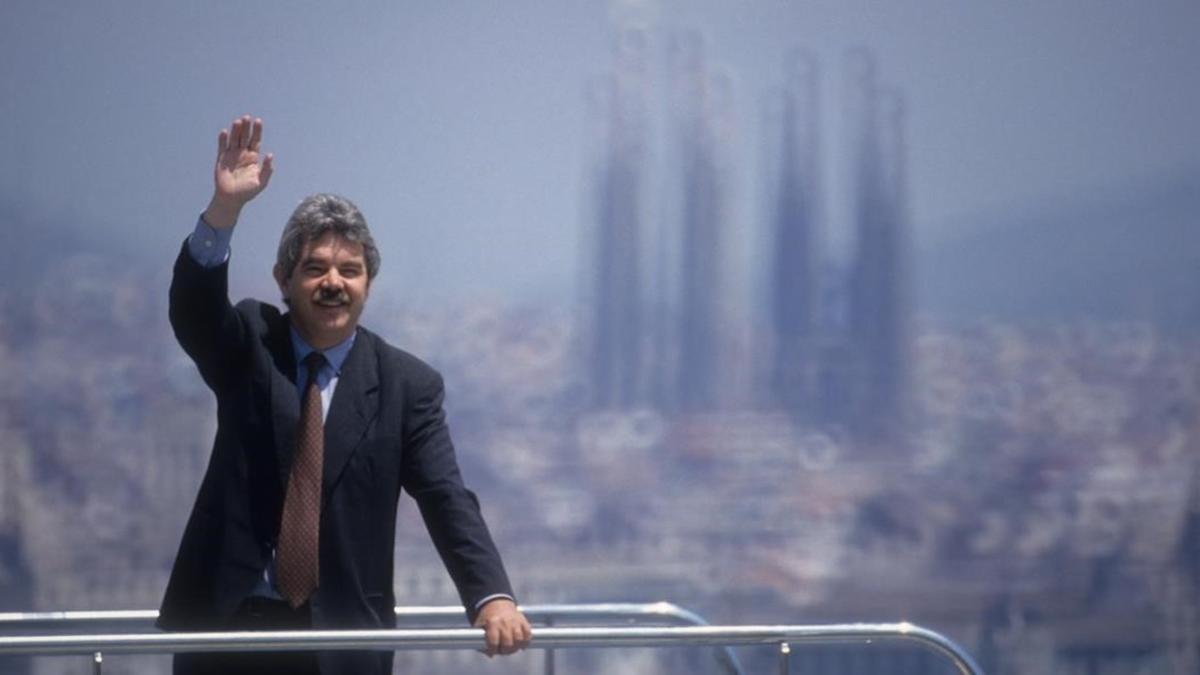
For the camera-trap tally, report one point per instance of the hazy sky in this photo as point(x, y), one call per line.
point(460, 127)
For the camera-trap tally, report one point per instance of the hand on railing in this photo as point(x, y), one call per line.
point(505, 628)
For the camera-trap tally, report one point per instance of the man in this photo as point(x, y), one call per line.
point(321, 424)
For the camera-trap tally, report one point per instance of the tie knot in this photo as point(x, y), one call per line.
point(314, 362)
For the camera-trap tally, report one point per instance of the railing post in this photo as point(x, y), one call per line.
point(785, 658)
point(548, 658)
point(97, 663)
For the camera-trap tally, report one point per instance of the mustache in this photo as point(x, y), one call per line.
point(331, 296)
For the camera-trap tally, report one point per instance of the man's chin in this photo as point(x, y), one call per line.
point(335, 323)
point(324, 325)
point(331, 315)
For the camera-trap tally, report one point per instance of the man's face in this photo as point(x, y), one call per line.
point(327, 289)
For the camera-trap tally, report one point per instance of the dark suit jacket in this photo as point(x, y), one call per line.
point(385, 431)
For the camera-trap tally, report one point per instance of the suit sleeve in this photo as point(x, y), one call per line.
point(451, 511)
point(207, 326)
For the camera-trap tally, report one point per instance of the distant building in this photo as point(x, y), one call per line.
point(839, 336)
point(702, 123)
point(617, 320)
point(879, 299)
point(794, 275)
point(661, 329)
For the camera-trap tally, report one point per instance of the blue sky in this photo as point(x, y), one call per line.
point(461, 128)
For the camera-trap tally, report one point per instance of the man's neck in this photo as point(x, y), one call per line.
point(324, 342)
point(301, 345)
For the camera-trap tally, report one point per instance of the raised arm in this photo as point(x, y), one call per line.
point(238, 176)
point(205, 323)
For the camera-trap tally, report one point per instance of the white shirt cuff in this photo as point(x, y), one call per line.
point(493, 596)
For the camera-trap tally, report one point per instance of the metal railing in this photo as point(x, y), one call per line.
point(654, 613)
point(783, 637)
point(124, 620)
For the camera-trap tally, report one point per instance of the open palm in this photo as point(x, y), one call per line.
point(238, 176)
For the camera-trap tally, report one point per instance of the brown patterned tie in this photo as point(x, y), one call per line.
point(299, 529)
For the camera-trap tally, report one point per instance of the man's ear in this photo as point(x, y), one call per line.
point(281, 279)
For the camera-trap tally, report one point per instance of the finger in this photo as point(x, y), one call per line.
point(256, 130)
point(491, 637)
point(236, 134)
point(268, 168)
point(246, 124)
point(222, 142)
point(235, 131)
point(518, 635)
point(508, 644)
point(504, 640)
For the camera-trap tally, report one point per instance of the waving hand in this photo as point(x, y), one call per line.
point(237, 177)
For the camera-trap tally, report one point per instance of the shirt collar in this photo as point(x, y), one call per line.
point(335, 355)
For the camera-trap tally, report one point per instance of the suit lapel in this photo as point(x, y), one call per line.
point(285, 398)
point(354, 406)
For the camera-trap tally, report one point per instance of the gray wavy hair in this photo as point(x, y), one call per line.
point(317, 215)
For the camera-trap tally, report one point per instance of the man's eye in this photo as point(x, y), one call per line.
point(351, 271)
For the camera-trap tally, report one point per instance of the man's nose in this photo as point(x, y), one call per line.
point(331, 279)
